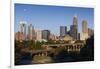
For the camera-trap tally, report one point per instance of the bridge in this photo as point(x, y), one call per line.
point(76, 47)
point(69, 47)
point(35, 52)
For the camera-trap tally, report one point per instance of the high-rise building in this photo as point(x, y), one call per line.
point(31, 32)
point(23, 28)
point(74, 28)
point(73, 32)
point(19, 36)
point(75, 21)
point(78, 36)
point(38, 35)
point(46, 34)
point(83, 36)
point(84, 26)
point(63, 30)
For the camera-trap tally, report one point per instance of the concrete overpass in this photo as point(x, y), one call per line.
point(69, 47)
point(76, 47)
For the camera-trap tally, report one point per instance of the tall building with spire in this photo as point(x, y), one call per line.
point(75, 21)
point(23, 28)
point(74, 28)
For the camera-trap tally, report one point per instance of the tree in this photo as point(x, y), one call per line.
point(87, 52)
point(38, 45)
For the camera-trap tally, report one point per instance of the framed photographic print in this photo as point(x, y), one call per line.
point(51, 33)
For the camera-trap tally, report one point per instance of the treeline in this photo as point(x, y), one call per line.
point(34, 44)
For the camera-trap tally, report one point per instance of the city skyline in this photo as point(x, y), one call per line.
point(58, 16)
point(53, 34)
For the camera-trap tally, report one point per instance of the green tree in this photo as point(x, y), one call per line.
point(38, 45)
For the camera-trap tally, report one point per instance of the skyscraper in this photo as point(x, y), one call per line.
point(31, 32)
point(84, 34)
point(19, 36)
point(73, 32)
point(75, 21)
point(38, 35)
point(46, 34)
point(74, 28)
point(63, 30)
point(84, 26)
point(23, 28)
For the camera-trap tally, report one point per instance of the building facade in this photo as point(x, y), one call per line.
point(31, 32)
point(83, 36)
point(73, 32)
point(74, 28)
point(46, 34)
point(84, 26)
point(38, 35)
point(19, 36)
point(75, 21)
point(63, 31)
point(23, 28)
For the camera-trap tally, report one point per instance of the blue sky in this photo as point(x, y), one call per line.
point(52, 17)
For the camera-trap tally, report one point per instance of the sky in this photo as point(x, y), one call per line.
point(52, 17)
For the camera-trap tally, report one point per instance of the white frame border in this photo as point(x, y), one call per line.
point(38, 2)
